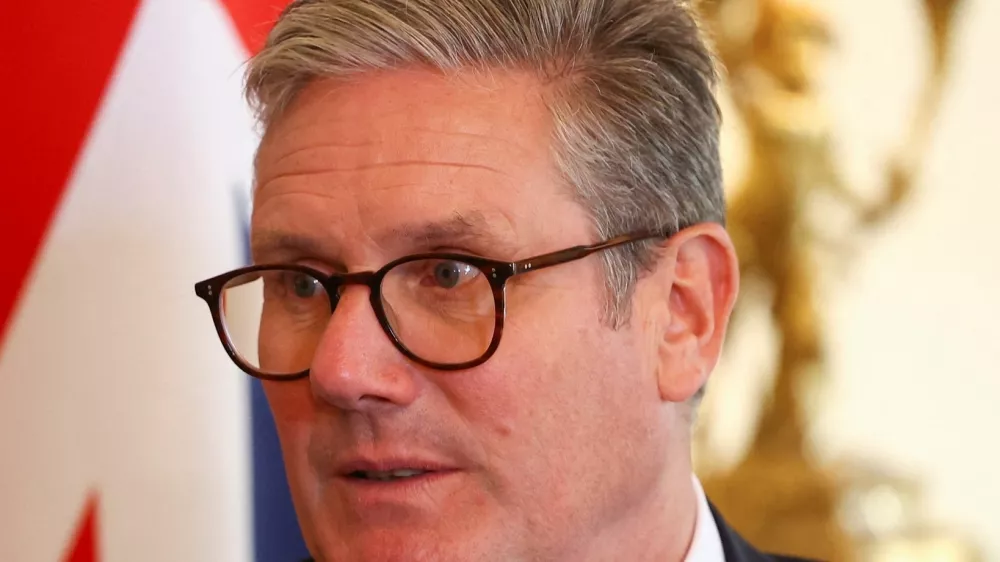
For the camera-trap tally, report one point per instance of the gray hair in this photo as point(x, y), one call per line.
point(631, 83)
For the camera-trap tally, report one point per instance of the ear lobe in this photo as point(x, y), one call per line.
point(681, 371)
point(700, 296)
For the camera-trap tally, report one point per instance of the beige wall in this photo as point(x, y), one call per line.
point(914, 322)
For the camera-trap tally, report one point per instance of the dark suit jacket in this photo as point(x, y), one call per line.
point(734, 547)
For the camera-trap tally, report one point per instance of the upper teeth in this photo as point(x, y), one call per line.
point(389, 475)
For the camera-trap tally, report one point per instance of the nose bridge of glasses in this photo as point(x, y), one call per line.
point(336, 286)
point(336, 283)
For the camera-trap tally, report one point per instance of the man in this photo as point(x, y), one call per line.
point(492, 277)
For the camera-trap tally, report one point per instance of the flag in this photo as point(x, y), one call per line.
point(125, 431)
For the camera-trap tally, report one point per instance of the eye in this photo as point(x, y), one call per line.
point(305, 286)
point(449, 274)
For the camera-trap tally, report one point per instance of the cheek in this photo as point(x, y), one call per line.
point(292, 407)
point(561, 413)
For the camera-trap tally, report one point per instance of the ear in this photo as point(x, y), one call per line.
point(695, 284)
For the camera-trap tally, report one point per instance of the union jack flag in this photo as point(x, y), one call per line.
point(125, 432)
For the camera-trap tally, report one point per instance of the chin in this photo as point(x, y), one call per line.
point(456, 533)
point(405, 545)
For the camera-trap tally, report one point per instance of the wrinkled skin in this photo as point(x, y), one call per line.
point(572, 442)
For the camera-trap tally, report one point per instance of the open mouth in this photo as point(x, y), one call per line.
point(387, 476)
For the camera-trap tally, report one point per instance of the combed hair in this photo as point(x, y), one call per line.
point(629, 84)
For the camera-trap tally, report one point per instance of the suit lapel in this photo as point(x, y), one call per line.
point(734, 547)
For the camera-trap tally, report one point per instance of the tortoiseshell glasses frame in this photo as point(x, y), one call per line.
point(496, 272)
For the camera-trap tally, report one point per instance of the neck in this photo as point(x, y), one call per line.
point(660, 529)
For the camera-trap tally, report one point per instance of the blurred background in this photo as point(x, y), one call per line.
point(859, 387)
point(859, 384)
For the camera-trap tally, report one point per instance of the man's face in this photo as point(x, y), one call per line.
point(555, 439)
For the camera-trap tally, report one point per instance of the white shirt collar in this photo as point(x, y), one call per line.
point(706, 545)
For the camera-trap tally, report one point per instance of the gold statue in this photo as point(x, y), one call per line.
point(778, 496)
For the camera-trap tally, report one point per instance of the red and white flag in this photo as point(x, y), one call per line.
point(127, 153)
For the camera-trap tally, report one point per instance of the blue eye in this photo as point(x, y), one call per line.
point(305, 286)
point(448, 274)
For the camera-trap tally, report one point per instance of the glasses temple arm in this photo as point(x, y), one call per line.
point(578, 252)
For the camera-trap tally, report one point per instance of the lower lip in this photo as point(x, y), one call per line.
point(429, 486)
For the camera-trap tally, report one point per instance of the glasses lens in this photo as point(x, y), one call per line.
point(275, 319)
point(440, 310)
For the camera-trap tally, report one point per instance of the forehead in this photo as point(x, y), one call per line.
point(390, 102)
point(365, 153)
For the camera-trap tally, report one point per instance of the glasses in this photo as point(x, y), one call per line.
point(442, 310)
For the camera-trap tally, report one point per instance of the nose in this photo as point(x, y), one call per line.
point(356, 367)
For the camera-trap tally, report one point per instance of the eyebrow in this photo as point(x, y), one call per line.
point(269, 243)
point(471, 230)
